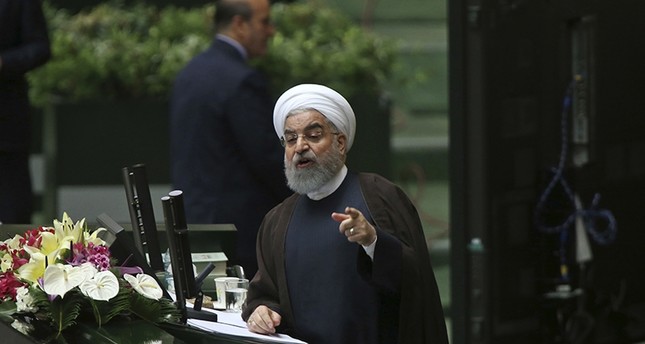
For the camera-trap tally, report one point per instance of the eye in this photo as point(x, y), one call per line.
point(289, 139)
point(314, 136)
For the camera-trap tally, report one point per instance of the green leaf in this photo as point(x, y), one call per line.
point(64, 311)
point(41, 300)
point(104, 311)
point(156, 311)
point(7, 308)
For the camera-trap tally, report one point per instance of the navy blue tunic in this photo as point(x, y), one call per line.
point(331, 302)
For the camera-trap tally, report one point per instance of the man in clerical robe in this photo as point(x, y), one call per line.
point(343, 260)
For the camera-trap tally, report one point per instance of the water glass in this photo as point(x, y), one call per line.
point(236, 294)
point(220, 289)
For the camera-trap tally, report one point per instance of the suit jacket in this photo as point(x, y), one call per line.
point(24, 45)
point(406, 267)
point(225, 154)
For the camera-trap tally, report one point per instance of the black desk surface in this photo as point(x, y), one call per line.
point(125, 332)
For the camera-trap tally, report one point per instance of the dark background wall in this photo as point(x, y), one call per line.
point(511, 64)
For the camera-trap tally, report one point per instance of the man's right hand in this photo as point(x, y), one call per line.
point(263, 320)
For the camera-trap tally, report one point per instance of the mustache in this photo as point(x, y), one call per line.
point(308, 155)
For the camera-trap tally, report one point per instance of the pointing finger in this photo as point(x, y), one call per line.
point(352, 212)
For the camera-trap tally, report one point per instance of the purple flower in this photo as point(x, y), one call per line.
point(97, 255)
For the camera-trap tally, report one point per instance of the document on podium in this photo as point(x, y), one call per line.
point(232, 324)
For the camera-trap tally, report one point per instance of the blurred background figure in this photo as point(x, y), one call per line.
point(224, 155)
point(24, 45)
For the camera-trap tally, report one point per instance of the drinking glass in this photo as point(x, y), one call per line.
point(236, 294)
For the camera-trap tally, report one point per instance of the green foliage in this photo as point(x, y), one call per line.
point(116, 52)
point(63, 312)
point(156, 311)
point(104, 311)
point(317, 44)
point(7, 308)
point(113, 51)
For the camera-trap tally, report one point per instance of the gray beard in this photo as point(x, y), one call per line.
point(304, 181)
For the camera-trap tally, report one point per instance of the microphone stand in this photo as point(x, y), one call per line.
point(142, 215)
point(199, 280)
point(181, 260)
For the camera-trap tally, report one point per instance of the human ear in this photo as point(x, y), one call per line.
point(238, 25)
point(342, 142)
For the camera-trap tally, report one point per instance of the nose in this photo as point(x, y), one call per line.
point(301, 144)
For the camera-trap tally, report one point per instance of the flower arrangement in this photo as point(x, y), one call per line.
point(64, 274)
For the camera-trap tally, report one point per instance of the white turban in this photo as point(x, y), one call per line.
point(322, 98)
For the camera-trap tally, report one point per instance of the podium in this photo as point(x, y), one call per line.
point(125, 332)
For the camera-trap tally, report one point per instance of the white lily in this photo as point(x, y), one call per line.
point(67, 230)
point(94, 237)
point(102, 287)
point(145, 285)
point(35, 268)
point(59, 278)
point(50, 247)
point(49, 243)
point(6, 262)
point(14, 243)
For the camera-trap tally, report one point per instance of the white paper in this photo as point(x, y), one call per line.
point(232, 324)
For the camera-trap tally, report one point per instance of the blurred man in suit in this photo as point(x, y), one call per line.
point(223, 153)
point(24, 45)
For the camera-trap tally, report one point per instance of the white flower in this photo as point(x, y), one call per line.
point(67, 230)
point(35, 269)
point(145, 285)
point(6, 262)
point(15, 242)
point(88, 269)
point(59, 278)
point(102, 287)
point(24, 301)
point(22, 327)
point(94, 237)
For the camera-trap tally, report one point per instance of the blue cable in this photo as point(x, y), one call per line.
point(590, 216)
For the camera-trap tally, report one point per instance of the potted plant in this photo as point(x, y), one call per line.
point(116, 52)
point(113, 67)
point(318, 44)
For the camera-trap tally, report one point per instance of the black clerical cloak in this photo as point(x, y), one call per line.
point(421, 318)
